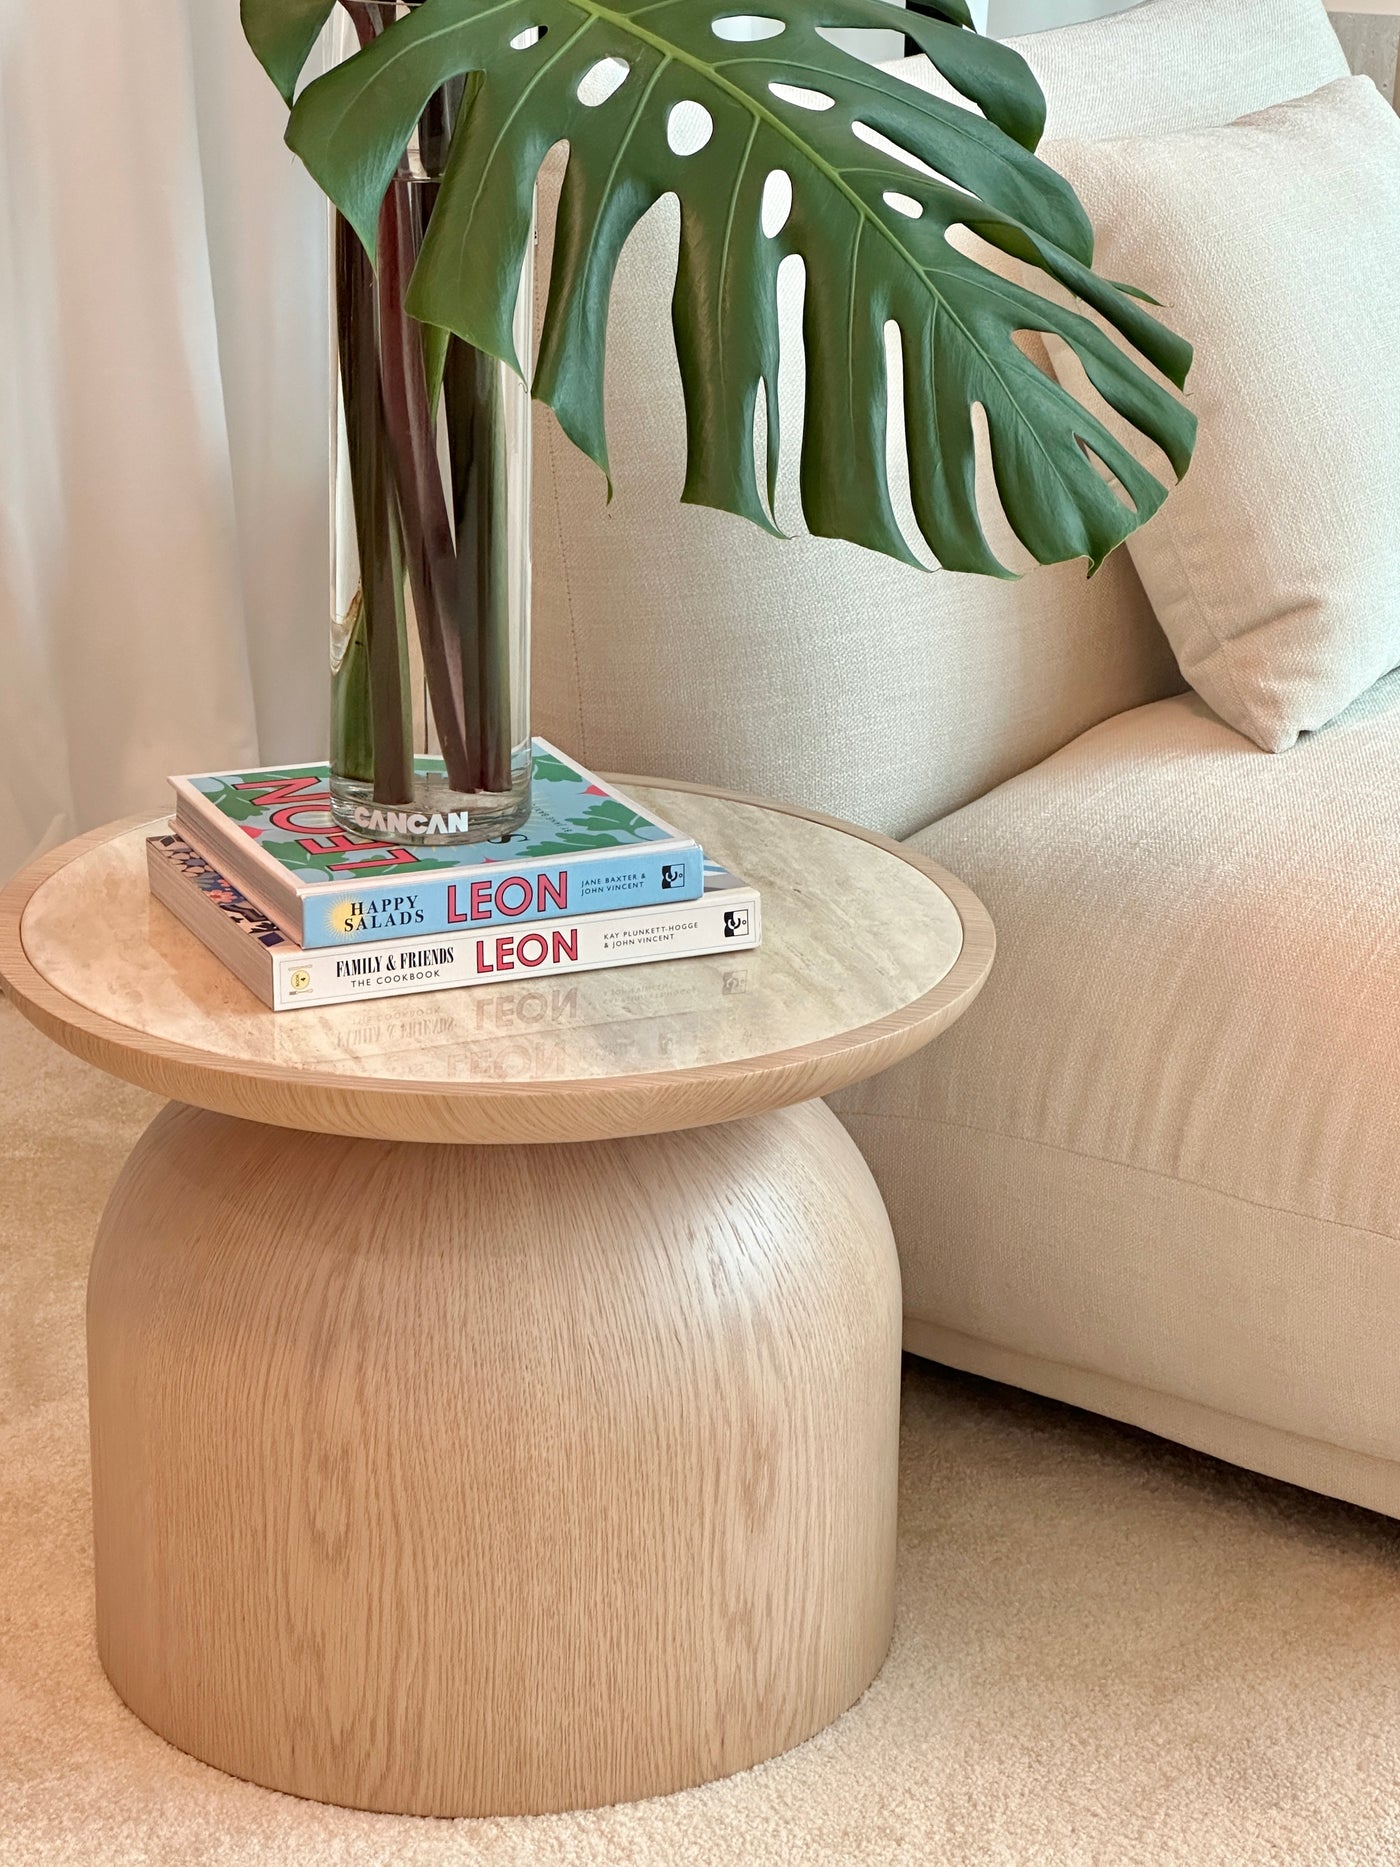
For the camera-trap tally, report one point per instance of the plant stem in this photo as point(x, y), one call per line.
point(457, 558)
point(385, 649)
point(474, 420)
point(480, 490)
point(430, 551)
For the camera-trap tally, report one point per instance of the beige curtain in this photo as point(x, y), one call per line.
point(162, 414)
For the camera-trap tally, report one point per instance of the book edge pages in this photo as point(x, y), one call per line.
point(266, 884)
point(182, 899)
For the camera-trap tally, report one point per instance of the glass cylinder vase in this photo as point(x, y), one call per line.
point(430, 616)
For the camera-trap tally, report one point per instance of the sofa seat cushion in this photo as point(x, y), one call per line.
point(1163, 1149)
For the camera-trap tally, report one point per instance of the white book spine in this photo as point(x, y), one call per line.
point(726, 923)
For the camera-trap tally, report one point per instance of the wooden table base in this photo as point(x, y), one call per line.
point(467, 1481)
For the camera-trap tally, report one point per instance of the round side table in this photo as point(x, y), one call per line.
point(494, 1395)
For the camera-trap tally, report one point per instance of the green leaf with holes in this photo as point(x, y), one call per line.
point(879, 172)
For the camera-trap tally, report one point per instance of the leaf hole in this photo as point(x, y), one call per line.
point(904, 204)
point(531, 36)
point(897, 443)
point(761, 432)
point(600, 81)
point(872, 45)
point(874, 140)
point(741, 26)
point(804, 99)
point(998, 528)
point(777, 202)
point(1031, 344)
point(688, 128)
point(1106, 473)
point(792, 391)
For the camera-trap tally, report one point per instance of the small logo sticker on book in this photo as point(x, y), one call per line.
point(736, 923)
point(299, 981)
point(673, 875)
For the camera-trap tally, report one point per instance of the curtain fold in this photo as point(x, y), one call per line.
point(162, 415)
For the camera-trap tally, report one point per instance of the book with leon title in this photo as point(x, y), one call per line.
point(586, 849)
point(286, 977)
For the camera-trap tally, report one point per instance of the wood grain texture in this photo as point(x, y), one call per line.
point(851, 979)
point(466, 1481)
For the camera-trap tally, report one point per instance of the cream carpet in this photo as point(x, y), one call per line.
point(1109, 1650)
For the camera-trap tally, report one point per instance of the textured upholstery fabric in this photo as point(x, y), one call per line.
point(1275, 567)
point(1160, 1152)
point(685, 643)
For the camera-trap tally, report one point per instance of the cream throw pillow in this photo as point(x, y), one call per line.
point(1274, 245)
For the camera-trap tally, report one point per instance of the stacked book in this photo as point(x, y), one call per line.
point(307, 914)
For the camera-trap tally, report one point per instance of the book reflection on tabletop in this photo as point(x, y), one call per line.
point(530, 1032)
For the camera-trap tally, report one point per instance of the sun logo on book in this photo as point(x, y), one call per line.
point(344, 916)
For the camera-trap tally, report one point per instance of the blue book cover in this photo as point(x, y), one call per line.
point(586, 849)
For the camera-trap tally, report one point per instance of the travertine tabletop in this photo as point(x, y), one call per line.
point(868, 951)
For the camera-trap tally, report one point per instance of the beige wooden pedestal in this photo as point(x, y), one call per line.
point(495, 1396)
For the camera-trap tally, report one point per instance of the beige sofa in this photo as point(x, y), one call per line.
point(1153, 1171)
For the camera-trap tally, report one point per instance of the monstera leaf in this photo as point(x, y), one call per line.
point(878, 174)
